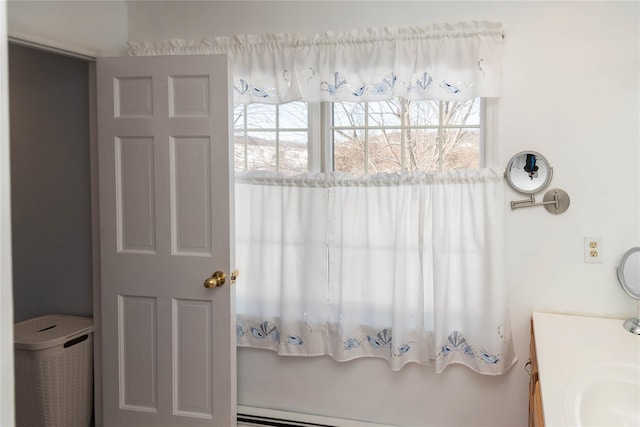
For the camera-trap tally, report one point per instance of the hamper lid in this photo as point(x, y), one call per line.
point(49, 331)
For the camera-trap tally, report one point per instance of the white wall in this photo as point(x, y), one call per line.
point(571, 91)
point(89, 28)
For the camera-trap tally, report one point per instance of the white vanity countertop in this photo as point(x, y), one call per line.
point(568, 346)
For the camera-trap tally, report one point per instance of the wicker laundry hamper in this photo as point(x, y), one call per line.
point(54, 371)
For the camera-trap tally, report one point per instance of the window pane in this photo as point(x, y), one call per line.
point(461, 149)
point(293, 115)
point(385, 151)
point(385, 113)
point(238, 116)
point(348, 114)
point(239, 152)
point(294, 153)
point(422, 113)
point(261, 151)
point(348, 151)
point(261, 116)
point(461, 112)
point(422, 149)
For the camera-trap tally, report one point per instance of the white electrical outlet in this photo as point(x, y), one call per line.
point(593, 250)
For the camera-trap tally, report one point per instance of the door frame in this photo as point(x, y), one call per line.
point(88, 54)
point(7, 402)
point(95, 245)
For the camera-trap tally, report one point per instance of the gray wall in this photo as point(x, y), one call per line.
point(50, 184)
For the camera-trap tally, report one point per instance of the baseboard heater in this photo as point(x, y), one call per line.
point(249, 416)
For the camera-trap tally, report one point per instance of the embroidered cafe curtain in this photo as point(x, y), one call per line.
point(441, 61)
point(407, 268)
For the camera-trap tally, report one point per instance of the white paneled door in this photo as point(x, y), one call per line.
point(168, 342)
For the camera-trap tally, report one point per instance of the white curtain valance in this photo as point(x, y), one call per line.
point(440, 61)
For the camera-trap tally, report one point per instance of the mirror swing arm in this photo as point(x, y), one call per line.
point(556, 201)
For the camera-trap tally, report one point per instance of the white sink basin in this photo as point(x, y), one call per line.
point(606, 394)
point(589, 371)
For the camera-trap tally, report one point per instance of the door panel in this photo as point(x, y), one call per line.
point(190, 182)
point(135, 195)
point(137, 330)
point(165, 218)
point(192, 356)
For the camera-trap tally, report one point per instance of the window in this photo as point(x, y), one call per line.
point(360, 138)
point(395, 266)
point(271, 137)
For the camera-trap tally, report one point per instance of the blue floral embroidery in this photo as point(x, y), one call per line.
point(457, 342)
point(264, 331)
point(449, 88)
point(239, 332)
point(359, 91)
point(338, 82)
point(386, 85)
point(259, 92)
point(292, 339)
point(488, 358)
point(390, 80)
point(379, 89)
point(468, 351)
point(351, 343)
point(383, 339)
point(241, 86)
point(425, 81)
point(403, 349)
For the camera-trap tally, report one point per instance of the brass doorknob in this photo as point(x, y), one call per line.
point(216, 280)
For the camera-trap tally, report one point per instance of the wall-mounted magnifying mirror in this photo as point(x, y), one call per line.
point(529, 172)
point(629, 278)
